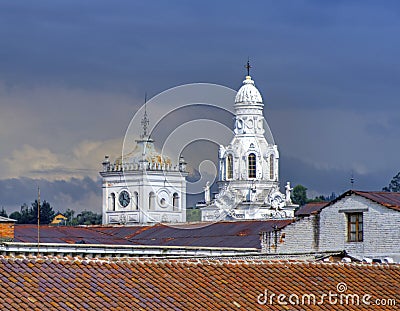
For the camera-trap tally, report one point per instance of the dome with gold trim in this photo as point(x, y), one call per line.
point(144, 156)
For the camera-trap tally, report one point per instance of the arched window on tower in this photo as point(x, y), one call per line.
point(271, 167)
point(135, 200)
point(152, 200)
point(252, 165)
point(175, 201)
point(229, 167)
point(112, 202)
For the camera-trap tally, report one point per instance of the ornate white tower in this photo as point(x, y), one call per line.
point(249, 166)
point(144, 186)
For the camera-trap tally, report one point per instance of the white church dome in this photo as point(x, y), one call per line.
point(248, 93)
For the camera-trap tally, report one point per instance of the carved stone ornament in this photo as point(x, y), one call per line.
point(276, 199)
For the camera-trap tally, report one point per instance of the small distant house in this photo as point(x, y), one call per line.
point(58, 220)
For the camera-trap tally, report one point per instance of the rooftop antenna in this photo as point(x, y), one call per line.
point(38, 222)
point(352, 180)
point(247, 66)
point(145, 120)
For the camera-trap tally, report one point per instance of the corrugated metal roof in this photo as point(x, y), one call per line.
point(221, 234)
point(63, 234)
point(224, 234)
point(388, 199)
point(5, 219)
point(310, 208)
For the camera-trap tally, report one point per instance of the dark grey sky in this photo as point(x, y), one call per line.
point(73, 73)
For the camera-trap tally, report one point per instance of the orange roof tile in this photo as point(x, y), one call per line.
point(180, 284)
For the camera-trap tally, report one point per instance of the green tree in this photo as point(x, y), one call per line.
point(46, 212)
point(71, 221)
point(28, 215)
point(88, 218)
point(394, 185)
point(16, 215)
point(321, 198)
point(299, 195)
point(3, 212)
point(193, 214)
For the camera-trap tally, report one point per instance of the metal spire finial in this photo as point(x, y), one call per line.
point(145, 120)
point(247, 66)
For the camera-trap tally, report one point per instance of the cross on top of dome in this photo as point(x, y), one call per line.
point(248, 93)
point(247, 66)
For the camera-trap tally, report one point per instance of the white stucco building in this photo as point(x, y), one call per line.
point(248, 167)
point(144, 186)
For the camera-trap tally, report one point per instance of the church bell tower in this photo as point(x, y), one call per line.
point(248, 178)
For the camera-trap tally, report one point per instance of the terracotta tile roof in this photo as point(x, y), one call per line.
point(195, 284)
point(310, 208)
point(237, 234)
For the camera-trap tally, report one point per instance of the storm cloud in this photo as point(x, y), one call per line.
point(73, 74)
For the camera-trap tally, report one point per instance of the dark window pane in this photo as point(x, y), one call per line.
point(252, 165)
point(230, 167)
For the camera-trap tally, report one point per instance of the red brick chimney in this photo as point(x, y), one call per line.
point(6, 229)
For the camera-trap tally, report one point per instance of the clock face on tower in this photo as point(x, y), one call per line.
point(124, 198)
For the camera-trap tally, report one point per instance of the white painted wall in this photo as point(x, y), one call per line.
point(327, 231)
point(164, 184)
point(381, 226)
